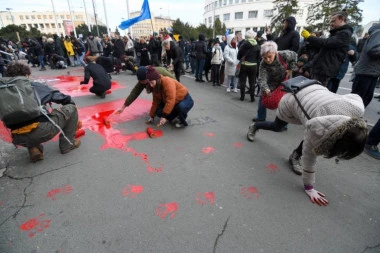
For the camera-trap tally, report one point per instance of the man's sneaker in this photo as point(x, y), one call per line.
point(76, 145)
point(251, 132)
point(35, 154)
point(103, 95)
point(295, 163)
point(175, 121)
point(228, 90)
point(372, 151)
point(235, 90)
point(42, 69)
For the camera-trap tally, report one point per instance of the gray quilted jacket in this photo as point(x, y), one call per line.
point(327, 111)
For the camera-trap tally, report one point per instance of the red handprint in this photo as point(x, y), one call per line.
point(272, 168)
point(66, 189)
point(248, 192)
point(132, 190)
point(35, 225)
point(208, 150)
point(204, 197)
point(164, 210)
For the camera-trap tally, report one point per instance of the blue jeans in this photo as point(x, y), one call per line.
point(81, 61)
point(261, 111)
point(187, 61)
point(41, 60)
point(232, 82)
point(179, 111)
point(199, 68)
point(374, 135)
point(193, 64)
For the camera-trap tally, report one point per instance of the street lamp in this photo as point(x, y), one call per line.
point(213, 31)
point(9, 9)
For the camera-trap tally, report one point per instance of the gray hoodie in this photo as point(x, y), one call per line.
point(369, 61)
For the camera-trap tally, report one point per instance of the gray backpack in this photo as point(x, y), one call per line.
point(18, 102)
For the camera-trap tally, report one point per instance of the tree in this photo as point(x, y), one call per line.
point(220, 29)
point(82, 29)
point(9, 33)
point(284, 10)
point(207, 31)
point(321, 11)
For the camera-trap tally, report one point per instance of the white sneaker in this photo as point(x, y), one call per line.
point(228, 90)
point(235, 90)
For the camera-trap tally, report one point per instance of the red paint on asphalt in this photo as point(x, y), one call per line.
point(66, 189)
point(132, 191)
point(100, 119)
point(168, 209)
point(208, 150)
point(272, 168)
point(205, 197)
point(238, 145)
point(5, 133)
point(249, 192)
point(35, 225)
point(209, 134)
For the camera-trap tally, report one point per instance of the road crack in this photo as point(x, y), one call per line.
point(371, 247)
point(220, 234)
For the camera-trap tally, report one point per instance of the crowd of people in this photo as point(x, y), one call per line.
point(256, 65)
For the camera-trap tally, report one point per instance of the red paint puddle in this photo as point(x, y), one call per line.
point(153, 133)
point(35, 225)
point(249, 192)
point(208, 150)
point(69, 85)
point(5, 133)
point(132, 191)
point(66, 189)
point(238, 145)
point(100, 119)
point(205, 197)
point(168, 209)
point(272, 168)
point(209, 134)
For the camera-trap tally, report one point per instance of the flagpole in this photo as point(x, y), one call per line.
point(55, 17)
point(96, 22)
point(129, 30)
point(105, 14)
point(72, 19)
point(151, 20)
point(85, 11)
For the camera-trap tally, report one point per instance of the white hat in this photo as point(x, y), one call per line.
point(250, 34)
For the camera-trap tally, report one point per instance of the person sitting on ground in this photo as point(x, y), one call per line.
point(333, 128)
point(171, 99)
point(141, 84)
point(101, 79)
point(32, 133)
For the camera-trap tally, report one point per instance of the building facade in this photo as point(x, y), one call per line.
point(243, 15)
point(45, 21)
point(144, 28)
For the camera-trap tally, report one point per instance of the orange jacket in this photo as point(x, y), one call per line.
point(170, 92)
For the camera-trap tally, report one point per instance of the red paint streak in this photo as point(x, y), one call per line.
point(35, 225)
point(272, 168)
point(208, 150)
point(238, 145)
point(101, 120)
point(1, 202)
point(5, 134)
point(66, 189)
point(209, 134)
point(249, 192)
point(205, 197)
point(79, 133)
point(164, 210)
point(132, 190)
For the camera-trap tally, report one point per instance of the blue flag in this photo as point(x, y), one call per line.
point(144, 14)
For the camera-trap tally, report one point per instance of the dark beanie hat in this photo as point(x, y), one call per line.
point(259, 34)
point(152, 74)
point(141, 73)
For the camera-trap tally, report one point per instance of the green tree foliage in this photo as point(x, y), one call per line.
point(82, 29)
point(187, 31)
point(284, 10)
point(220, 28)
point(321, 11)
point(9, 33)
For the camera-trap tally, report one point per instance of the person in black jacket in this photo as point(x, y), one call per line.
point(333, 50)
point(154, 50)
point(118, 51)
point(290, 38)
point(174, 56)
point(32, 133)
point(101, 79)
point(200, 56)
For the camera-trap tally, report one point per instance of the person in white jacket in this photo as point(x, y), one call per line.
point(230, 58)
point(216, 62)
point(334, 129)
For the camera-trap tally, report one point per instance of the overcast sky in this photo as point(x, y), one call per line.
point(187, 10)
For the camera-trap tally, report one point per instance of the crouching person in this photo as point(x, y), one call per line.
point(30, 126)
point(101, 79)
point(171, 100)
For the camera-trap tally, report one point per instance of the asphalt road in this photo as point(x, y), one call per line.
point(204, 188)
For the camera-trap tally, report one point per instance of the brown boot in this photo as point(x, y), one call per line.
point(76, 145)
point(35, 154)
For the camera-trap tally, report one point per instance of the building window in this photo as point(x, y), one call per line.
point(243, 1)
point(67, 16)
point(44, 16)
point(8, 18)
point(48, 26)
point(42, 25)
point(209, 20)
point(78, 17)
point(62, 16)
point(38, 16)
point(50, 16)
point(226, 17)
point(239, 15)
point(236, 1)
point(268, 13)
point(23, 25)
point(250, 1)
point(231, 1)
point(224, 2)
point(33, 17)
point(26, 17)
point(252, 14)
point(30, 26)
point(59, 25)
point(21, 17)
point(52, 25)
point(247, 29)
point(217, 17)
